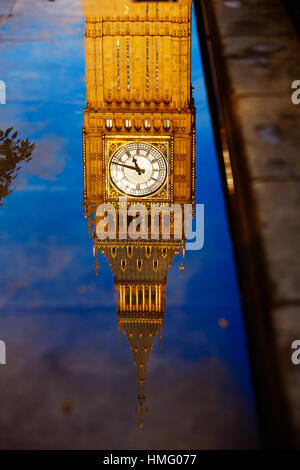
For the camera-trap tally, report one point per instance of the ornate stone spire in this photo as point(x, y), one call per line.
point(140, 332)
point(140, 276)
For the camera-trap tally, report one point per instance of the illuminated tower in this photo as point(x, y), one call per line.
point(138, 95)
point(138, 142)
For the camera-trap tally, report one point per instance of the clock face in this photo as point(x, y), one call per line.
point(138, 169)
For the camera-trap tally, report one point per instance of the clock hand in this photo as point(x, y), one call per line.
point(137, 169)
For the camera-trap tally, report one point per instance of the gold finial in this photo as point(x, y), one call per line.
point(96, 265)
point(141, 410)
point(181, 268)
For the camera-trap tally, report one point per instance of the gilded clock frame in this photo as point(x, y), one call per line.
point(163, 143)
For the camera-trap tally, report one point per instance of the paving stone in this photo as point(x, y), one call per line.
point(277, 205)
point(251, 17)
point(262, 65)
point(270, 127)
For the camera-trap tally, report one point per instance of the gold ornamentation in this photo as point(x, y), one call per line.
point(139, 264)
point(123, 264)
point(130, 250)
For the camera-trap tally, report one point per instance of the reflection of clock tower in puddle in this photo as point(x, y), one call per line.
point(139, 142)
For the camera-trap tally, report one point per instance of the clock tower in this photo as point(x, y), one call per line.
point(138, 143)
point(139, 122)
